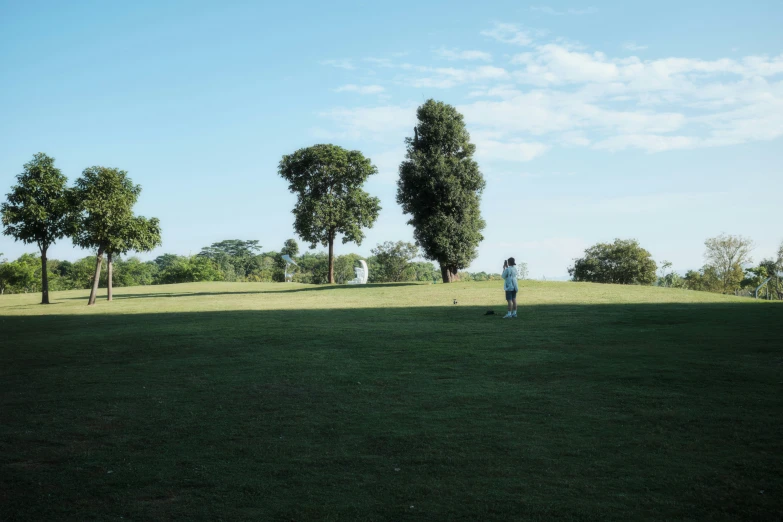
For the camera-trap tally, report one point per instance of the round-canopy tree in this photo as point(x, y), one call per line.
point(622, 262)
point(38, 210)
point(104, 198)
point(327, 180)
point(440, 187)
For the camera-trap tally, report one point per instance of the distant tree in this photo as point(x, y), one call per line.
point(104, 198)
point(393, 259)
point(38, 210)
point(190, 270)
point(313, 268)
point(726, 254)
point(236, 258)
point(440, 187)
point(327, 180)
point(165, 261)
point(421, 271)
point(664, 269)
point(290, 248)
point(704, 280)
point(231, 248)
point(22, 275)
point(622, 262)
point(344, 268)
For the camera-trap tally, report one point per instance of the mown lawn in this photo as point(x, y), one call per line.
point(222, 401)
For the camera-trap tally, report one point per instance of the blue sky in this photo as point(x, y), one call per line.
point(660, 122)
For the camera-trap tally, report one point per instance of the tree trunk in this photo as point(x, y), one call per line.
point(44, 278)
point(97, 279)
point(331, 258)
point(109, 267)
point(448, 273)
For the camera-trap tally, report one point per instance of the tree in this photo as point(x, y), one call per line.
point(236, 258)
point(38, 210)
point(393, 259)
point(313, 268)
point(135, 233)
point(104, 198)
point(327, 180)
point(190, 270)
point(664, 280)
point(726, 254)
point(440, 187)
point(290, 248)
point(344, 268)
point(622, 262)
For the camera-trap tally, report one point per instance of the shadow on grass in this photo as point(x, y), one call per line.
point(571, 412)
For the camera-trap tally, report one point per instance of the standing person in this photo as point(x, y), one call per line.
point(510, 286)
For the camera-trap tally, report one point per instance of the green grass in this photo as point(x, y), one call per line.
point(220, 401)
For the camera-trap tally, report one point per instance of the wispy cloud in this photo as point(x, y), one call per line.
point(564, 94)
point(340, 64)
point(361, 89)
point(454, 54)
point(508, 33)
point(448, 77)
point(566, 12)
point(631, 46)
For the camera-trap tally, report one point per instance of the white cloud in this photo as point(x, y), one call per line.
point(515, 151)
point(361, 89)
point(571, 11)
point(508, 33)
point(647, 142)
point(340, 64)
point(383, 123)
point(562, 93)
point(454, 54)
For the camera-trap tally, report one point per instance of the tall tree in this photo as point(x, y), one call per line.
point(726, 254)
point(290, 248)
point(440, 187)
point(105, 197)
point(37, 210)
point(623, 262)
point(327, 180)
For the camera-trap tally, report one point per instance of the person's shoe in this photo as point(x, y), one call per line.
point(513, 316)
point(508, 316)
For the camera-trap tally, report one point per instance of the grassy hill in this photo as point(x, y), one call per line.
point(252, 401)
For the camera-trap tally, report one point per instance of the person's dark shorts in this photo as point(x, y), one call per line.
point(511, 294)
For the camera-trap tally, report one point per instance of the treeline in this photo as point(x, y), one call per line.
point(229, 260)
point(729, 268)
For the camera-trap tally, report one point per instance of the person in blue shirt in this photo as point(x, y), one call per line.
point(510, 276)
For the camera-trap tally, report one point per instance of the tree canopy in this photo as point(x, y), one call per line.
point(726, 254)
point(393, 259)
point(327, 180)
point(622, 262)
point(440, 187)
point(105, 198)
point(38, 209)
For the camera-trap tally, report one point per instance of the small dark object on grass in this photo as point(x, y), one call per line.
point(490, 312)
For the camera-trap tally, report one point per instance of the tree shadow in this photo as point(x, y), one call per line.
point(425, 403)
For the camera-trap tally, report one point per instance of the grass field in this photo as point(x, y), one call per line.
point(223, 401)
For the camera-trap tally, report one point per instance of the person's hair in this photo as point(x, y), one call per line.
point(511, 261)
